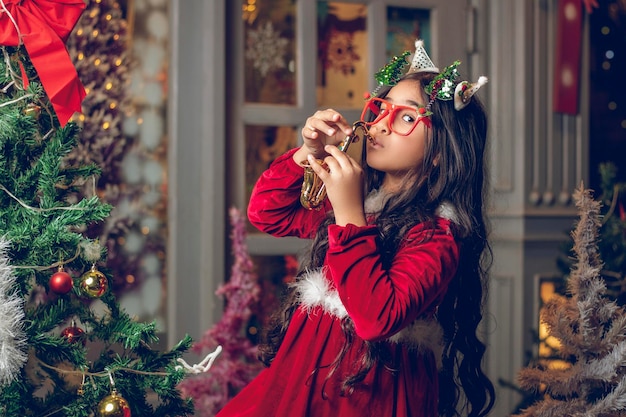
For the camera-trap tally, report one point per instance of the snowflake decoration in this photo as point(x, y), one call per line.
point(266, 49)
point(341, 54)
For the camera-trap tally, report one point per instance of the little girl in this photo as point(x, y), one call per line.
point(382, 320)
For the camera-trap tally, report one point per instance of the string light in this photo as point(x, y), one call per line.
point(607, 107)
point(39, 210)
point(250, 11)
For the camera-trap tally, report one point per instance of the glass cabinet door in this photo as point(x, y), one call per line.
point(269, 28)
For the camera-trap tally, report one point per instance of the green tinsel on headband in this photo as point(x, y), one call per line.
point(442, 86)
point(391, 73)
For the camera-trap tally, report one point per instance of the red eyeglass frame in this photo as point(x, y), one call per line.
point(423, 114)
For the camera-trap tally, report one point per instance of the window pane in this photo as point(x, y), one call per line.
point(263, 145)
point(342, 54)
point(404, 26)
point(269, 36)
point(273, 273)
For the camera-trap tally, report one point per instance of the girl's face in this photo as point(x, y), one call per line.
point(393, 153)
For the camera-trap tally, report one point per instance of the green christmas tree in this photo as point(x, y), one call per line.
point(67, 348)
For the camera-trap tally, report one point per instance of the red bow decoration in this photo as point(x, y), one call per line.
point(44, 26)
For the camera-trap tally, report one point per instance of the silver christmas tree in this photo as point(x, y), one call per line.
point(591, 330)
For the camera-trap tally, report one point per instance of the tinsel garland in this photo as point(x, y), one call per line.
point(12, 337)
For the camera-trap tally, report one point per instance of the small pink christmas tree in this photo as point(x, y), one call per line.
point(238, 364)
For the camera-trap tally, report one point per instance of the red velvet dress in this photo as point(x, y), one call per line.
point(385, 305)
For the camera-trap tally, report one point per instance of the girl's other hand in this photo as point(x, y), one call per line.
point(325, 127)
point(343, 179)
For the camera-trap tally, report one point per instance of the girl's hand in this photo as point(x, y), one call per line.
point(343, 180)
point(325, 127)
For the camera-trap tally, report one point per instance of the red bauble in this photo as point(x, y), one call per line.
point(61, 282)
point(74, 334)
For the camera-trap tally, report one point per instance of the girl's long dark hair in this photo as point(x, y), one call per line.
point(453, 171)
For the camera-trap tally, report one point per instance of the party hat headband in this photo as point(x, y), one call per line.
point(442, 87)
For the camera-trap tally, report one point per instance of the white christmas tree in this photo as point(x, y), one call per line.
point(591, 330)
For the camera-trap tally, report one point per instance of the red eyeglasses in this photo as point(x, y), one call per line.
point(402, 119)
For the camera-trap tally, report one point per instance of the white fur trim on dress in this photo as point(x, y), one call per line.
point(315, 290)
point(447, 211)
point(376, 200)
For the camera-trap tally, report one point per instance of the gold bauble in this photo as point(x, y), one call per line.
point(93, 283)
point(113, 405)
point(32, 110)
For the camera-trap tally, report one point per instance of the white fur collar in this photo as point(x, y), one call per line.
point(315, 290)
point(376, 200)
point(447, 211)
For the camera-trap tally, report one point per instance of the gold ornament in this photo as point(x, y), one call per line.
point(93, 283)
point(32, 110)
point(113, 405)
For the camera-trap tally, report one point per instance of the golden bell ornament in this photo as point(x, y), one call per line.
point(113, 405)
point(93, 283)
point(32, 110)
